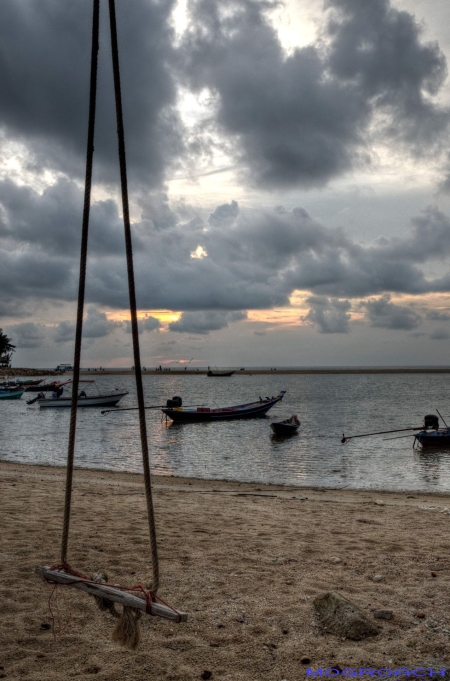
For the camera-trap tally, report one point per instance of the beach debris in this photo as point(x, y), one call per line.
point(382, 614)
point(45, 626)
point(305, 659)
point(340, 617)
point(377, 578)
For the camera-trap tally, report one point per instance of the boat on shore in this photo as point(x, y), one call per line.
point(240, 411)
point(287, 427)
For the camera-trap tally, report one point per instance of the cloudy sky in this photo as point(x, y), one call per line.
point(289, 178)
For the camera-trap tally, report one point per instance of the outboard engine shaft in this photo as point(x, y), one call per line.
point(430, 422)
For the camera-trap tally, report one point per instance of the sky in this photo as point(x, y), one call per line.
point(289, 180)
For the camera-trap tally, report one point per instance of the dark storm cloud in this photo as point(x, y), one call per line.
point(440, 334)
point(379, 50)
point(27, 335)
point(255, 259)
point(44, 81)
point(147, 323)
point(205, 321)
point(382, 313)
point(304, 119)
point(438, 316)
point(95, 325)
point(330, 315)
point(51, 221)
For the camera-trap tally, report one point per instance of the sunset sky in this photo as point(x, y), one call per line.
point(289, 179)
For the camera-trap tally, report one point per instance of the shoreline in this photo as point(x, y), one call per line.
point(238, 372)
point(244, 560)
point(158, 479)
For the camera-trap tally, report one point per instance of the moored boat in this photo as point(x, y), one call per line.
point(220, 373)
point(109, 400)
point(240, 411)
point(84, 400)
point(12, 393)
point(287, 427)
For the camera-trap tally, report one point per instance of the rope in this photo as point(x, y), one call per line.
point(131, 287)
point(132, 294)
point(82, 280)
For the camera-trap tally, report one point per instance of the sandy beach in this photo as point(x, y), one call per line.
point(245, 561)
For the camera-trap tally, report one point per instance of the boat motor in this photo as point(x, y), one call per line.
point(174, 402)
point(430, 422)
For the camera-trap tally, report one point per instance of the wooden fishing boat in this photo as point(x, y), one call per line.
point(429, 435)
point(219, 373)
point(287, 427)
point(240, 411)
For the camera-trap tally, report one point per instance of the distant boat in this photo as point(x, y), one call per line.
point(240, 411)
point(286, 427)
point(220, 373)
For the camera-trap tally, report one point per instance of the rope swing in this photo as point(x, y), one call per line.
point(136, 599)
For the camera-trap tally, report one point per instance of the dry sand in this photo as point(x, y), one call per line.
point(244, 561)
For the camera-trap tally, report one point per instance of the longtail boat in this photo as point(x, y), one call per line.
point(240, 411)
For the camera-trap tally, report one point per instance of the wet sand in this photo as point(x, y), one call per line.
point(245, 561)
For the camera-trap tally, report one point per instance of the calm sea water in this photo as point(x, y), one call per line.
point(246, 451)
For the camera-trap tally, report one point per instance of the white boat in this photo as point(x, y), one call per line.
point(109, 400)
point(84, 400)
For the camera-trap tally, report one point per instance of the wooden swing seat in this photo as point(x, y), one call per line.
point(111, 593)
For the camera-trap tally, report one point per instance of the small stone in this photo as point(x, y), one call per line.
point(45, 626)
point(305, 659)
point(379, 502)
point(378, 578)
point(383, 614)
point(434, 574)
point(420, 614)
point(335, 560)
point(340, 617)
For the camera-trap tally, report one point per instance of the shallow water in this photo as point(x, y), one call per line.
point(246, 450)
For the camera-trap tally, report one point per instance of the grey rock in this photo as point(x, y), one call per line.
point(340, 617)
point(383, 614)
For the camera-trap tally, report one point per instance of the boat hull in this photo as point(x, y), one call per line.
point(94, 401)
point(11, 394)
point(220, 374)
point(243, 411)
point(284, 428)
point(434, 439)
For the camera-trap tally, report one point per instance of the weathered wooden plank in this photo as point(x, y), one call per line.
point(116, 595)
